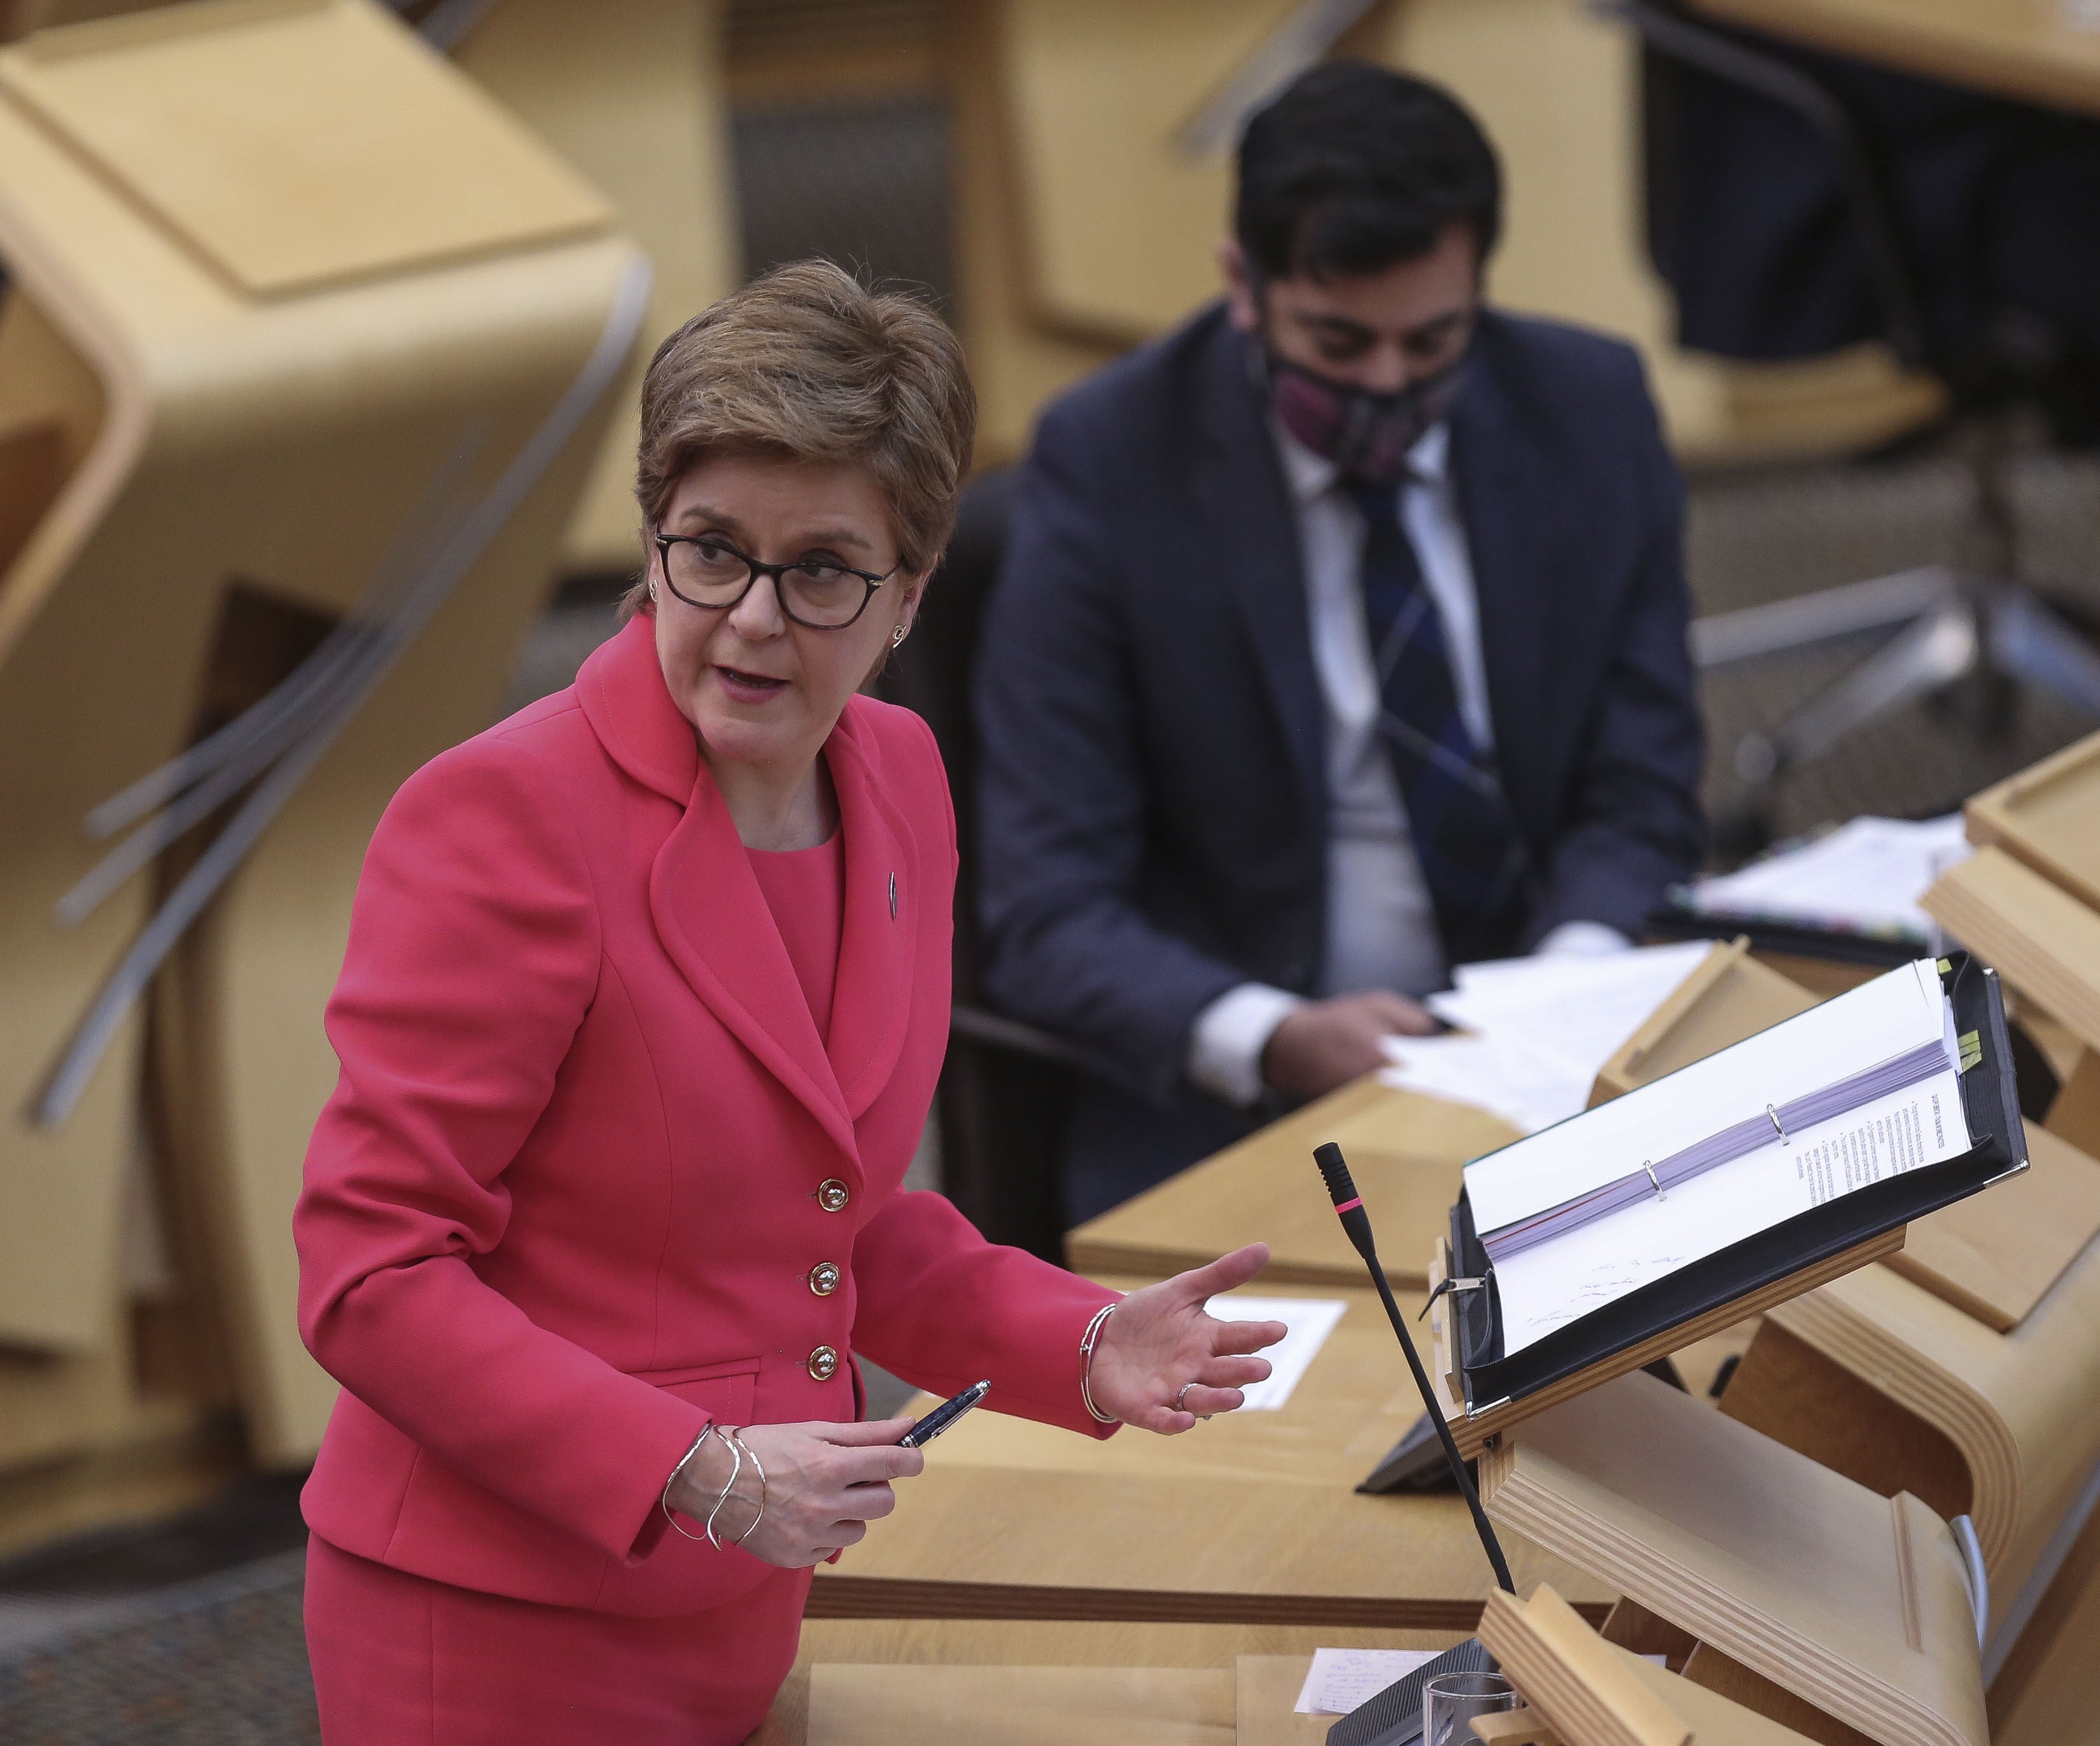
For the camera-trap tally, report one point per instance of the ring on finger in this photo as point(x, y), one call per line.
point(1181, 1397)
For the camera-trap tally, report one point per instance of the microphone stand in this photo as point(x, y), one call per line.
point(1349, 1206)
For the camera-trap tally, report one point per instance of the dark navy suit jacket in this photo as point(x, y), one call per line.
point(1154, 783)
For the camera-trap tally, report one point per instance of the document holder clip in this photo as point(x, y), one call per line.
point(1649, 1166)
point(1784, 1139)
point(1446, 1284)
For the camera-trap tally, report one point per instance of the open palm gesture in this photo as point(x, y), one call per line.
point(1162, 1362)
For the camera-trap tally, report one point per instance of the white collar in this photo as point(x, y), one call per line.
point(1311, 476)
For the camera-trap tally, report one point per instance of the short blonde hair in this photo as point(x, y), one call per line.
point(807, 364)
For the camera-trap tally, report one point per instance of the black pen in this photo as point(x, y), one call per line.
point(943, 1416)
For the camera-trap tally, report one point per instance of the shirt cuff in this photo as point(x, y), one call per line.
point(1582, 940)
point(1230, 1035)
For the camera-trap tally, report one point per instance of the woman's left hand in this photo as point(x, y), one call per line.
point(1160, 1339)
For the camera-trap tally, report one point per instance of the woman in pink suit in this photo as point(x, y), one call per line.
point(646, 996)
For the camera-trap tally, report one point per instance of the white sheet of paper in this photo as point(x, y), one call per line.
point(1537, 1030)
point(1310, 1320)
point(1503, 1076)
point(1583, 1269)
point(1867, 875)
point(1873, 1023)
point(1579, 1010)
point(1340, 1679)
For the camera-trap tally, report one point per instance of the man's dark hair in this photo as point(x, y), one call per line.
point(1355, 168)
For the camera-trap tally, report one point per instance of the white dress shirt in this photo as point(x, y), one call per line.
point(1381, 924)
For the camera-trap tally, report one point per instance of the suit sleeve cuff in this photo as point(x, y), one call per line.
point(1582, 940)
point(1226, 1042)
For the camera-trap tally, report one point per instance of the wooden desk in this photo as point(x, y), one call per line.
point(958, 1643)
point(1403, 1149)
point(1249, 1516)
point(2041, 52)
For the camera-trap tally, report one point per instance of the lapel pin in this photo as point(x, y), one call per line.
point(893, 897)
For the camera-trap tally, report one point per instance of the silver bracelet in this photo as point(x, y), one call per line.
point(760, 1466)
point(663, 1503)
point(1087, 1344)
point(736, 1457)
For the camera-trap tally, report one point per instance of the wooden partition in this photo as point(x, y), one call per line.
point(1856, 1604)
point(632, 96)
point(1961, 1369)
point(337, 333)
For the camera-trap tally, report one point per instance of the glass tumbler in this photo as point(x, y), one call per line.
point(1450, 1701)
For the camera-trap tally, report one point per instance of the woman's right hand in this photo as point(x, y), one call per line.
point(824, 1484)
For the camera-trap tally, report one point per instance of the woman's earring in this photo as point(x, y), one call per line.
point(652, 594)
point(899, 634)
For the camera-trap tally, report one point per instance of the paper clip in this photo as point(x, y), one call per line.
point(1652, 1182)
point(1784, 1139)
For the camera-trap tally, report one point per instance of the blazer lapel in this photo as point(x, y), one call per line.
point(878, 945)
point(709, 913)
point(1505, 492)
point(1239, 486)
point(713, 920)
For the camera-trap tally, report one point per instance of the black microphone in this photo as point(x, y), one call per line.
point(1349, 1207)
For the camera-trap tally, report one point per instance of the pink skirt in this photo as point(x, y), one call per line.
point(398, 1658)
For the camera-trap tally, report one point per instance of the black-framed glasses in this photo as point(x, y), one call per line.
point(704, 570)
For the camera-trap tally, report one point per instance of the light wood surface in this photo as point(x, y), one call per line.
point(256, 449)
point(2017, 1405)
point(1583, 1685)
point(2048, 815)
point(1997, 1255)
point(98, 707)
point(1249, 1516)
point(238, 124)
point(2039, 51)
point(1022, 1706)
point(1729, 996)
point(1267, 1688)
point(2074, 1116)
point(632, 96)
point(1019, 360)
point(957, 1642)
point(1404, 1150)
point(1855, 1602)
point(2040, 939)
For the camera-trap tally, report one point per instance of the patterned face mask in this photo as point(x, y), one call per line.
point(1367, 436)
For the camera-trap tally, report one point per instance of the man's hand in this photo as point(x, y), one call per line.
point(1328, 1043)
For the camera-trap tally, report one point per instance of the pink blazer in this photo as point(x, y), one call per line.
point(578, 1186)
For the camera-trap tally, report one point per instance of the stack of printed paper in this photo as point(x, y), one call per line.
point(1533, 1032)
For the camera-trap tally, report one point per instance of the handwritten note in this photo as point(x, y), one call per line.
point(1340, 1679)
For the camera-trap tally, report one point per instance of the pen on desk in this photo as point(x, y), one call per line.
point(943, 1416)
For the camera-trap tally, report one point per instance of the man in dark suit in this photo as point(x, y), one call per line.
point(1340, 638)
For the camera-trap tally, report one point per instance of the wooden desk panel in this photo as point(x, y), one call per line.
point(976, 1642)
point(1249, 1517)
point(1405, 1150)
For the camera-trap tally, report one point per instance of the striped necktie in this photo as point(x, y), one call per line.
point(1472, 858)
